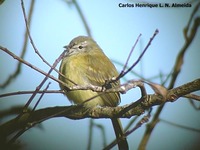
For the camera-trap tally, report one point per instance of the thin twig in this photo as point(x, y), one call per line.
point(129, 56)
point(140, 76)
point(194, 105)
point(19, 64)
point(17, 135)
point(43, 81)
point(32, 42)
point(102, 130)
point(180, 126)
point(30, 37)
point(82, 18)
point(186, 29)
point(31, 92)
point(193, 96)
point(26, 128)
point(38, 101)
point(139, 58)
point(30, 65)
point(176, 72)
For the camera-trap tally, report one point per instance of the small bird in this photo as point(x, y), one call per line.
point(85, 63)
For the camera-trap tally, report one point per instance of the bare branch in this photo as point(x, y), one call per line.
point(30, 65)
point(82, 18)
point(123, 73)
point(31, 92)
point(176, 71)
point(193, 96)
point(129, 56)
point(38, 101)
point(194, 105)
point(180, 126)
point(43, 81)
point(80, 112)
point(19, 64)
point(30, 37)
point(25, 129)
point(32, 42)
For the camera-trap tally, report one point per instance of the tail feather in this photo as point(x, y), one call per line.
point(121, 140)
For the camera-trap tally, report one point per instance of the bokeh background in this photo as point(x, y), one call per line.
point(55, 23)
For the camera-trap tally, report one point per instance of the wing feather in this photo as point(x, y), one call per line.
point(99, 74)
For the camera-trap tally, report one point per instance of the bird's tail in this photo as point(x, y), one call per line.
point(121, 140)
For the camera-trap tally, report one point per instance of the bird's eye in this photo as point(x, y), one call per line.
point(80, 47)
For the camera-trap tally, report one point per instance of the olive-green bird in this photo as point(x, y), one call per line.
point(85, 63)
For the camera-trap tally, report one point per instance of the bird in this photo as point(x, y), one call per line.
point(85, 63)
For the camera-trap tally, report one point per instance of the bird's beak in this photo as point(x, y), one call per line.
point(67, 47)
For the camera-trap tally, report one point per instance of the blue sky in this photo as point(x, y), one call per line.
point(115, 29)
